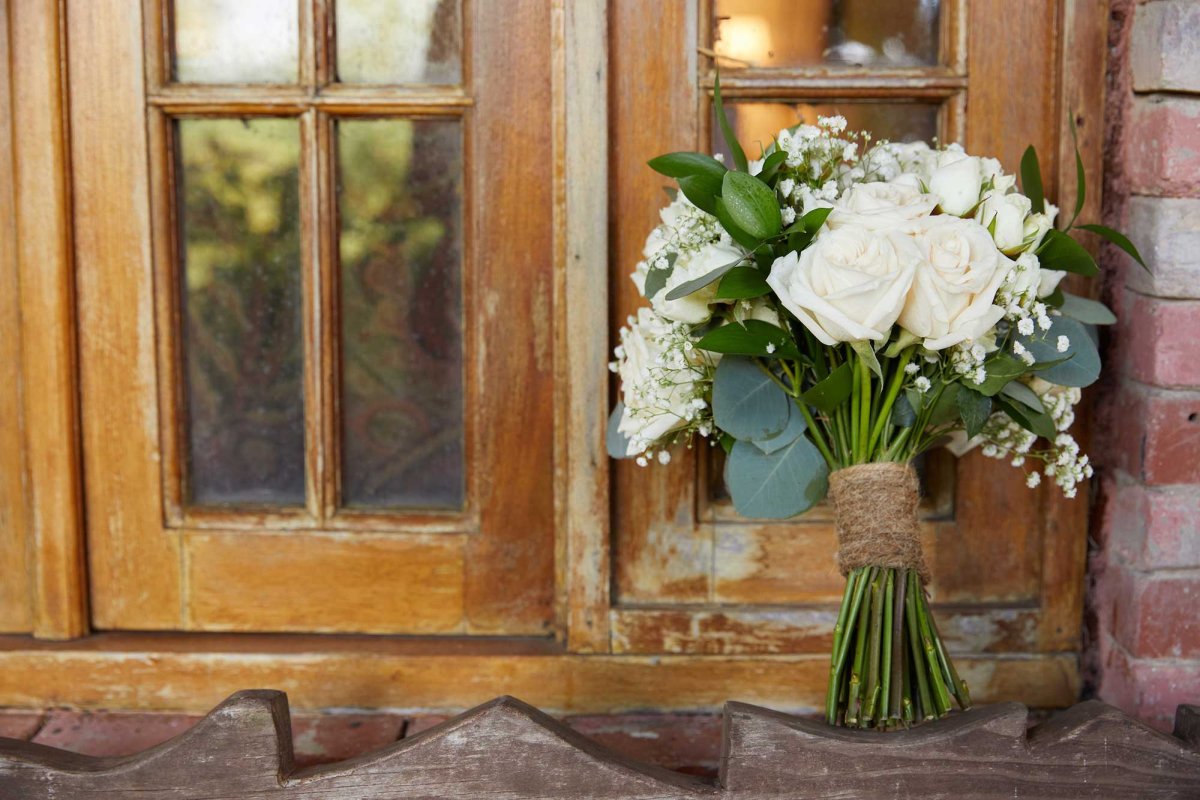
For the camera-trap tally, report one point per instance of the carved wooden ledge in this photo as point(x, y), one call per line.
point(508, 749)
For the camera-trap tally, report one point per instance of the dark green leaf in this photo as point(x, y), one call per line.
point(753, 338)
point(777, 485)
point(742, 283)
point(945, 409)
point(831, 392)
point(1119, 239)
point(771, 165)
point(1055, 298)
point(739, 155)
point(1085, 310)
point(1024, 395)
point(616, 442)
point(701, 191)
point(721, 212)
point(727, 443)
point(1080, 178)
point(747, 403)
point(681, 165)
point(1078, 366)
point(1061, 252)
point(751, 205)
point(903, 415)
point(974, 408)
point(1034, 421)
point(814, 219)
point(1001, 368)
point(795, 427)
point(696, 284)
point(1031, 180)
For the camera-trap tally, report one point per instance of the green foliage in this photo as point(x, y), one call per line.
point(1085, 310)
point(1038, 422)
point(699, 176)
point(616, 442)
point(739, 155)
point(795, 427)
point(1119, 239)
point(657, 277)
point(1001, 368)
point(832, 391)
point(747, 403)
point(771, 165)
point(696, 284)
point(752, 338)
point(1078, 366)
point(1031, 180)
point(751, 205)
point(1059, 251)
point(776, 485)
point(742, 283)
point(974, 408)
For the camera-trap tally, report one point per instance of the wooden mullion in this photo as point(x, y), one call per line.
point(314, 334)
point(307, 56)
point(322, 41)
point(327, 320)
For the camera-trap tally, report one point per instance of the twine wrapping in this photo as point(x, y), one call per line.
point(875, 507)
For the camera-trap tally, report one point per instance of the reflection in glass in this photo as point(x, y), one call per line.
point(798, 33)
point(237, 41)
point(400, 244)
point(415, 41)
point(239, 215)
point(757, 123)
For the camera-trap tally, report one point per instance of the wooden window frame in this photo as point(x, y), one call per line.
point(190, 671)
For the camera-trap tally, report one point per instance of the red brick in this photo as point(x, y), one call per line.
point(1147, 688)
point(1167, 232)
point(110, 733)
point(1151, 528)
point(1159, 340)
point(1154, 614)
point(1162, 155)
point(1165, 46)
point(20, 724)
point(1154, 434)
point(323, 738)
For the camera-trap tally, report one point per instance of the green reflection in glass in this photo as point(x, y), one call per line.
point(400, 243)
point(238, 208)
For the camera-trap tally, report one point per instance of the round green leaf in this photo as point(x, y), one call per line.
point(1078, 366)
point(776, 485)
point(747, 404)
point(616, 442)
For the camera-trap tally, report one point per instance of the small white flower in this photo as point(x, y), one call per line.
point(789, 215)
point(921, 384)
point(641, 461)
point(911, 369)
point(1018, 349)
point(979, 377)
point(1063, 344)
point(770, 347)
point(664, 457)
point(1033, 479)
point(1025, 327)
point(719, 157)
point(786, 186)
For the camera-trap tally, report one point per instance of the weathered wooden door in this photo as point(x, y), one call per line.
point(314, 294)
point(690, 575)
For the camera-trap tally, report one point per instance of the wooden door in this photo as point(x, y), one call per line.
point(690, 575)
point(314, 290)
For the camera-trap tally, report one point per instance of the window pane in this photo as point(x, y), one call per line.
point(416, 41)
point(401, 313)
point(237, 41)
point(797, 33)
point(757, 123)
point(241, 297)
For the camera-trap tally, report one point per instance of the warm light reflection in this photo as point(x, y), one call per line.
point(745, 38)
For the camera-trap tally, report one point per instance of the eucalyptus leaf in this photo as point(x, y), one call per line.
point(747, 403)
point(832, 391)
point(751, 338)
point(657, 277)
point(616, 442)
point(1079, 365)
point(903, 415)
point(1059, 251)
point(974, 408)
point(1086, 310)
point(1031, 180)
point(742, 283)
point(795, 427)
point(696, 284)
point(751, 205)
point(776, 485)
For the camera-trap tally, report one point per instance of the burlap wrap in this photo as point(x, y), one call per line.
point(875, 506)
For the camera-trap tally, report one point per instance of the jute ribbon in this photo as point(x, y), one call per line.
point(875, 506)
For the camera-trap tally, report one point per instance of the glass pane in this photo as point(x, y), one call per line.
point(399, 203)
point(416, 41)
point(237, 41)
point(242, 343)
point(757, 123)
point(799, 33)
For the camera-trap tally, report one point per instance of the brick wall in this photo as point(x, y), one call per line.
point(1145, 567)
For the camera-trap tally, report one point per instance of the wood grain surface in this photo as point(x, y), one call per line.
point(508, 749)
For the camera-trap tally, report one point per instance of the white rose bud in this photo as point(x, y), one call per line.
point(1004, 215)
point(955, 285)
point(1036, 227)
point(957, 181)
point(1048, 281)
point(849, 285)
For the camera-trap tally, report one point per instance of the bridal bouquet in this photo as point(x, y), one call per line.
point(833, 309)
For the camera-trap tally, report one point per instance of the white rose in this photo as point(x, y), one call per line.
point(915, 158)
point(1004, 215)
point(880, 206)
point(952, 294)
point(658, 381)
point(1048, 281)
point(849, 285)
point(957, 181)
point(689, 265)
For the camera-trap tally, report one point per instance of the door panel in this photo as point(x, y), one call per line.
point(315, 330)
point(690, 575)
